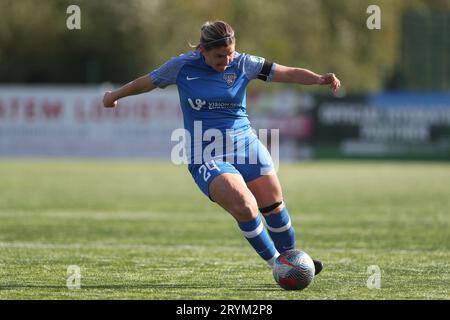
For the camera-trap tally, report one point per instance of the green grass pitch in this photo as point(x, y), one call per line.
point(143, 230)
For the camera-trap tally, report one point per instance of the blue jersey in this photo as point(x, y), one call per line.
point(216, 101)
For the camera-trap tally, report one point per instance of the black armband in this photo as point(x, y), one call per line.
point(265, 71)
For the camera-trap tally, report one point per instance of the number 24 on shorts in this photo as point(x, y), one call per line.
point(208, 166)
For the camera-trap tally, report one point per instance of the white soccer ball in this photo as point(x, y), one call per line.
point(294, 270)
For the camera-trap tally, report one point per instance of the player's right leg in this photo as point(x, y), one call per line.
point(231, 193)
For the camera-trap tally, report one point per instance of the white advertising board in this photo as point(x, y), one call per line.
point(71, 121)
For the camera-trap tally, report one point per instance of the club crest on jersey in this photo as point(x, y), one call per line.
point(229, 78)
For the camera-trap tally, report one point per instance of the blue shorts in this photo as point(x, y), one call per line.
point(255, 162)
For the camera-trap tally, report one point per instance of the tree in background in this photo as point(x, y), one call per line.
point(122, 39)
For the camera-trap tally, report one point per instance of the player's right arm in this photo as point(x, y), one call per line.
point(137, 86)
point(160, 78)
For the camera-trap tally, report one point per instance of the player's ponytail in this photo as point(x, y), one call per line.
point(215, 34)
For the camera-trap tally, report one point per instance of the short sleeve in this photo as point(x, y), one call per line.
point(253, 67)
point(167, 73)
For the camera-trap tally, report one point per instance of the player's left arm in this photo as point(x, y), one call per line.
point(304, 76)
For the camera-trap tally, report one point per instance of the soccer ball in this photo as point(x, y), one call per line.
point(294, 270)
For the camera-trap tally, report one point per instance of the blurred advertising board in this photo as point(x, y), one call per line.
point(387, 125)
point(60, 121)
point(289, 112)
point(71, 122)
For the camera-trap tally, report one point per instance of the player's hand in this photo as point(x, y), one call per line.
point(108, 100)
point(331, 79)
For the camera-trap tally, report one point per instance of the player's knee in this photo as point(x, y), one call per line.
point(246, 210)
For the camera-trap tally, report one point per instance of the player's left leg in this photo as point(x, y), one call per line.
point(263, 183)
point(269, 196)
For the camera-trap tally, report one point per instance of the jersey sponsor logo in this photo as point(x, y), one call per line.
point(223, 105)
point(197, 105)
point(230, 78)
point(193, 78)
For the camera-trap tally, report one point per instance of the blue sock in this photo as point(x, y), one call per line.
point(281, 230)
point(255, 232)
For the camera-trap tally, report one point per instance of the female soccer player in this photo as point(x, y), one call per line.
point(212, 81)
